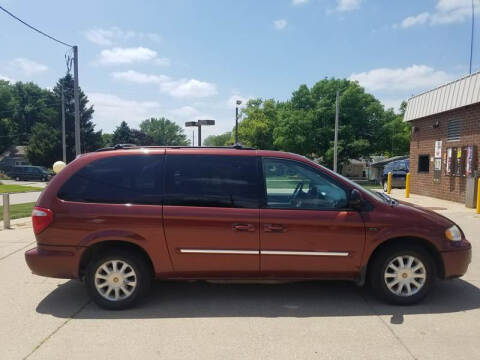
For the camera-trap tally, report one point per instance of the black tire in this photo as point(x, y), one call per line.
point(378, 270)
point(141, 271)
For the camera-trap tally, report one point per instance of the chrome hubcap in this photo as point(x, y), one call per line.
point(405, 275)
point(115, 280)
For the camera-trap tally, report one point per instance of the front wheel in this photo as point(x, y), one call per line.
point(402, 274)
point(117, 279)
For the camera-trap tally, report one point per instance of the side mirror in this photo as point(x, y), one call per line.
point(356, 199)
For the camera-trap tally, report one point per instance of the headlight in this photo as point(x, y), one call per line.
point(453, 233)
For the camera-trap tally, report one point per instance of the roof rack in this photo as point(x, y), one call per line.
point(133, 146)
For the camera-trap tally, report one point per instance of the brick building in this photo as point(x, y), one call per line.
point(445, 138)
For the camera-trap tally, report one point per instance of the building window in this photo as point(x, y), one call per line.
point(423, 163)
point(453, 130)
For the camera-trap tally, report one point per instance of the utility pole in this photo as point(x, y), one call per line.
point(64, 145)
point(78, 149)
point(471, 37)
point(239, 102)
point(335, 141)
point(193, 137)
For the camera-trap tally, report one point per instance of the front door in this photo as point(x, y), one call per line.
point(306, 227)
point(211, 214)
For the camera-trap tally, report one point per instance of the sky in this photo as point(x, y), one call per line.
point(192, 59)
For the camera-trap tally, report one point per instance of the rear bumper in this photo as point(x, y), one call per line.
point(456, 262)
point(54, 261)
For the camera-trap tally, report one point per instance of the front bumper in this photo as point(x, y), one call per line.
point(54, 261)
point(456, 261)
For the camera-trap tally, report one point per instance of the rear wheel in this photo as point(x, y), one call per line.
point(402, 274)
point(117, 279)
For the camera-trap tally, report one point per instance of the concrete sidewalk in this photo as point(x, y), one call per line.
point(44, 318)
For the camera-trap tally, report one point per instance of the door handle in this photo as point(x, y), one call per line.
point(274, 228)
point(243, 227)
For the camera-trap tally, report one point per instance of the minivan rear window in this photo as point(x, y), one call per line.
point(212, 181)
point(135, 179)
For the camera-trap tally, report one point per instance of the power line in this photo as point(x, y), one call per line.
point(34, 28)
point(471, 37)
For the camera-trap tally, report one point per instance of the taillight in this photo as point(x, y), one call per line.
point(41, 218)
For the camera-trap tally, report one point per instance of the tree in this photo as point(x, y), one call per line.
point(122, 134)
point(218, 140)
point(43, 147)
point(256, 129)
point(90, 139)
point(107, 140)
point(164, 132)
point(304, 124)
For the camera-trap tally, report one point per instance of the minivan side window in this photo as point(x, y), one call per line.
point(134, 179)
point(292, 185)
point(212, 181)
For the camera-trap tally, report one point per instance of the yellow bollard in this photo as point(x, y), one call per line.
point(389, 182)
point(478, 197)
point(407, 185)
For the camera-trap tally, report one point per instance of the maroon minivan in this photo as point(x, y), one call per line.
point(120, 217)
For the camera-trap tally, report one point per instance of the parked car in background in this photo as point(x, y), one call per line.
point(117, 219)
point(29, 172)
point(399, 170)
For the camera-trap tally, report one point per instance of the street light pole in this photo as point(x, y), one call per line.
point(199, 135)
point(199, 125)
point(239, 102)
point(76, 94)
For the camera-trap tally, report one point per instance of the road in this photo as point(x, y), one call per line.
point(44, 318)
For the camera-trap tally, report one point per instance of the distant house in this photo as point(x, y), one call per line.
point(376, 168)
point(355, 169)
point(14, 156)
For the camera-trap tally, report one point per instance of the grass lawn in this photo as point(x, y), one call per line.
point(19, 210)
point(17, 188)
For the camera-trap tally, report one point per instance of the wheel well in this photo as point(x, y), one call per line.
point(104, 246)
point(426, 245)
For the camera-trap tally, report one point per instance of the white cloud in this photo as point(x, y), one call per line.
point(140, 78)
point(111, 110)
point(115, 35)
point(348, 5)
point(299, 2)
point(415, 20)
point(119, 55)
point(410, 78)
point(392, 103)
point(445, 12)
point(172, 87)
point(27, 67)
point(280, 24)
point(6, 78)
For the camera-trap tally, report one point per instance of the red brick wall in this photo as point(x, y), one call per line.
point(423, 143)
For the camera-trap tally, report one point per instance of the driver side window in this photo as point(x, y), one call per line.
point(292, 185)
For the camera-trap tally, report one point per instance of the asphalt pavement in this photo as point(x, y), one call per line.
point(44, 318)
